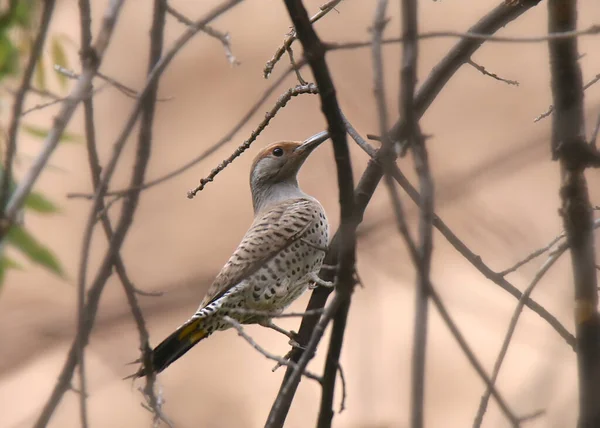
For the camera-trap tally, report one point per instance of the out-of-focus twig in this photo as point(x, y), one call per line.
point(511, 329)
point(224, 38)
point(17, 109)
point(126, 218)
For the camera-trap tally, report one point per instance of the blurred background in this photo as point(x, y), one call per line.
point(496, 187)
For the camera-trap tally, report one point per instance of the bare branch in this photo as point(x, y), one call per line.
point(315, 54)
point(437, 301)
point(270, 356)
point(207, 152)
point(104, 271)
point(291, 37)
point(474, 259)
point(66, 112)
point(551, 108)
point(595, 133)
point(475, 36)
point(568, 146)
point(511, 329)
point(483, 71)
point(121, 87)
point(310, 88)
point(224, 38)
point(17, 108)
point(532, 256)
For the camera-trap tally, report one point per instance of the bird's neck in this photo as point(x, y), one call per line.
point(267, 196)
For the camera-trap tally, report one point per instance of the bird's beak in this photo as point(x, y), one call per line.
point(311, 143)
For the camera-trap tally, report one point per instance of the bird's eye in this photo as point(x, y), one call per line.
point(278, 151)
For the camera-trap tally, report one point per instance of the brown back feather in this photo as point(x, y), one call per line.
point(270, 233)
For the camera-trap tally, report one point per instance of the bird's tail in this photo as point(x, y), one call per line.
point(174, 346)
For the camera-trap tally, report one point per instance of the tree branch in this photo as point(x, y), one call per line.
point(66, 112)
point(126, 217)
point(314, 52)
point(17, 109)
point(441, 74)
point(568, 139)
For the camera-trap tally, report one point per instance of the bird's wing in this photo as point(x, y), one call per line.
point(271, 232)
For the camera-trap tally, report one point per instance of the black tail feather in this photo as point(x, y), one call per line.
point(174, 346)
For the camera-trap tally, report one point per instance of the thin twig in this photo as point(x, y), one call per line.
point(121, 87)
point(287, 387)
point(532, 256)
point(408, 82)
point(207, 152)
point(473, 258)
point(343, 380)
point(511, 329)
point(280, 360)
point(17, 108)
point(104, 271)
point(551, 108)
point(595, 132)
point(310, 88)
point(475, 36)
point(66, 112)
point(55, 101)
point(483, 71)
point(287, 43)
point(437, 301)
point(224, 38)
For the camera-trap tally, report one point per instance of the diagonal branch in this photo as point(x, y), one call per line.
point(17, 109)
point(79, 92)
point(314, 51)
point(126, 217)
point(500, 16)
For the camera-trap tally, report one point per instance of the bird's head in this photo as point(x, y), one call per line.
point(277, 165)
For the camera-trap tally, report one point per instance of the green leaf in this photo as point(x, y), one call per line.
point(7, 263)
point(39, 203)
point(34, 250)
point(22, 13)
point(9, 56)
point(59, 57)
point(42, 133)
point(40, 74)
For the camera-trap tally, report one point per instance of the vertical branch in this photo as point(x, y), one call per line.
point(85, 23)
point(315, 54)
point(139, 172)
point(408, 79)
point(17, 109)
point(569, 147)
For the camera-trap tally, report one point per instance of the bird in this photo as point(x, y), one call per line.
point(278, 258)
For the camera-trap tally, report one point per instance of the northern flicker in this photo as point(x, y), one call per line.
point(277, 260)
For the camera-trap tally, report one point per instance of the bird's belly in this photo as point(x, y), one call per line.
point(284, 278)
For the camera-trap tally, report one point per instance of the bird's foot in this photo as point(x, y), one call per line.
point(318, 282)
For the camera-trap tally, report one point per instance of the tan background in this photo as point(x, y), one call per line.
point(496, 187)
